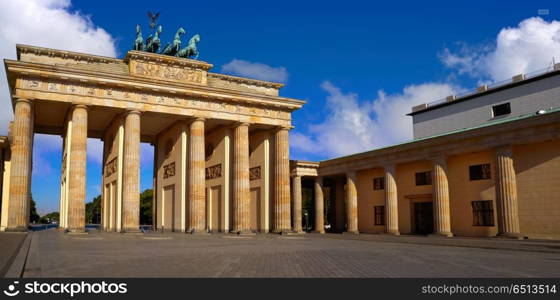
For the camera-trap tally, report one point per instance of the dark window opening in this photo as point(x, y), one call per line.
point(424, 178)
point(502, 109)
point(479, 172)
point(379, 213)
point(378, 183)
point(483, 213)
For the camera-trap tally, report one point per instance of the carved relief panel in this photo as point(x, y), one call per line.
point(214, 172)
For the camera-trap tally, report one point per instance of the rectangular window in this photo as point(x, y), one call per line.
point(479, 172)
point(378, 183)
point(501, 109)
point(424, 178)
point(483, 213)
point(379, 213)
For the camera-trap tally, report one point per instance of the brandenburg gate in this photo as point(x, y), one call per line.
point(221, 159)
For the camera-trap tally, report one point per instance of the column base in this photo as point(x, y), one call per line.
point(353, 232)
point(16, 229)
point(242, 232)
point(299, 232)
point(441, 234)
point(78, 231)
point(392, 232)
point(285, 232)
point(197, 232)
point(318, 231)
point(132, 231)
point(512, 235)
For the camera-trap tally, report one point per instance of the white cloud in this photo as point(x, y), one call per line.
point(45, 23)
point(529, 46)
point(352, 125)
point(256, 70)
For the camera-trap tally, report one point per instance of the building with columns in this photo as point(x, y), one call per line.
point(484, 163)
point(221, 142)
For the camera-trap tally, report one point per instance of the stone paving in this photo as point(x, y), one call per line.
point(55, 254)
point(9, 245)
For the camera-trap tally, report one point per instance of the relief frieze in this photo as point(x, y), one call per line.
point(111, 167)
point(169, 170)
point(214, 172)
point(157, 71)
point(152, 98)
point(255, 173)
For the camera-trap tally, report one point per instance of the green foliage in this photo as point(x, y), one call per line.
point(33, 215)
point(49, 218)
point(146, 199)
point(93, 211)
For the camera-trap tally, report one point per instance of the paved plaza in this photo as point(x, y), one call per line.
point(55, 254)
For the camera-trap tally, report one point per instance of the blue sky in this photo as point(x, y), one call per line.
point(359, 65)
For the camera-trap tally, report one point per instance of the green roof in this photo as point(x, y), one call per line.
point(483, 125)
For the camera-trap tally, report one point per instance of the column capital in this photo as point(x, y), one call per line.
point(74, 106)
point(201, 119)
point(389, 167)
point(284, 127)
point(503, 150)
point(20, 99)
point(241, 124)
point(351, 173)
point(438, 157)
point(133, 111)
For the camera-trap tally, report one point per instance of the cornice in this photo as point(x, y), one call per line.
point(452, 142)
point(22, 49)
point(267, 84)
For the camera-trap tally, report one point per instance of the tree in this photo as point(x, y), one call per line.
point(50, 217)
point(93, 211)
point(146, 199)
point(33, 215)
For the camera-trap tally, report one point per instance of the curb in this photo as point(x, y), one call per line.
point(16, 268)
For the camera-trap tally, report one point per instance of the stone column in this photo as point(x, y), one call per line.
point(241, 196)
point(281, 182)
point(131, 173)
point(197, 181)
point(77, 169)
point(155, 187)
point(351, 203)
point(319, 206)
point(506, 194)
point(391, 201)
point(20, 172)
point(296, 196)
point(440, 187)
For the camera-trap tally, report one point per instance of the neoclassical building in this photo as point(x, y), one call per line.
point(221, 142)
point(483, 163)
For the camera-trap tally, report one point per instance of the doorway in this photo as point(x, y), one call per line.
point(423, 218)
